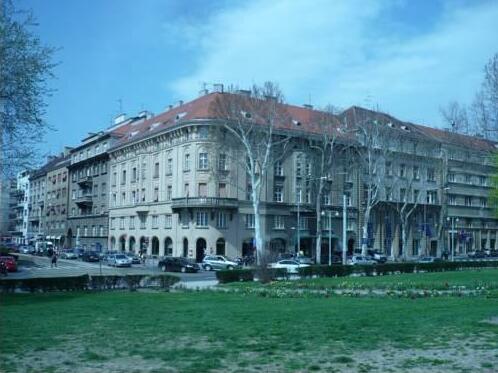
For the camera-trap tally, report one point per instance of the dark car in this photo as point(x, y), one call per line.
point(90, 256)
point(10, 263)
point(172, 264)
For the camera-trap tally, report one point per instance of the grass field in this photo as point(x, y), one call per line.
point(203, 331)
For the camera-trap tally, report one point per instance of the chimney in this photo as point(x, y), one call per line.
point(145, 114)
point(218, 88)
point(203, 92)
point(170, 106)
point(119, 118)
point(243, 92)
point(308, 106)
point(180, 102)
point(66, 150)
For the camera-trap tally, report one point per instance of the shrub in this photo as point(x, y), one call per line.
point(235, 275)
point(165, 281)
point(133, 281)
point(53, 283)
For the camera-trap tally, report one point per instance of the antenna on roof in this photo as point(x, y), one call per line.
point(120, 101)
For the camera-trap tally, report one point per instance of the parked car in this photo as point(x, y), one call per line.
point(68, 254)
point(428, 259)
point(290, 265)
point(215, 262)
point(135, 259)
point(377, 256)
point(79, 251)
point(118, 260)
point(360, 260)
point(90, 256)
point(477, 255)
point(27, 250)
point(181, 264)
point(304, 259)
point(9, 262)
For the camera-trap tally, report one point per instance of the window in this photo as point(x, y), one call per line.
point(201, 219)
point(155, 221)
point(133, 197)
point(416, 173)
point(133, 174)
point(121, 223)
point(298, 167)
point(74, 195)
point(402, 195)
point(249, 192)
point(432, 197)
point(402, 170)
point(202, 190)
point(101, 229)
point(483, 202)
point(222, 190)
point(278, 222)
point(168, 221)
point(468, 201)
point(389, 169)
point(132, 222)
point(431, 176)
point(221, 219)
point(123, 177)
point(279, 170)
point(278, 193)
point(308, 168)
point(303, 222)
point(156, 194)
point(452, 200)
point(416, 246)
point(222, 162)
point(483, 180)
point(95, 190)
point(169, 192)
point(104, 168)
point(103, 188)
point(113, 223)
point(184, 220)
point(349, 200)
point(123, 198)
point(299, 193)
point(203, 161)
point(416, 196)
point(186, 190)
point(143, 194)
point(114, 178)
point(156, 170)
point(144, 170)
point(250, 221)
point(85, 231)
point(169, 167)
point(114, 199)
point(468, 179)
point(186, 162)
point(143, 221)
point(326, 198)
point(451, 177)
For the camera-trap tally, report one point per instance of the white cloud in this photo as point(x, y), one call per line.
point(343, 53)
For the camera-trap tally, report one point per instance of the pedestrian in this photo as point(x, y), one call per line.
point(53, 262)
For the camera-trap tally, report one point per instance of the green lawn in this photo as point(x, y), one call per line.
point(470, 279)
point(193, 332)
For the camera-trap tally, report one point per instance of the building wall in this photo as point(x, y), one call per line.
point(57, 200)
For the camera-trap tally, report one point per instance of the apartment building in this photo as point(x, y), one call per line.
point(19, 210)
point(88, 190)
point(164, 200)
point(57, 201)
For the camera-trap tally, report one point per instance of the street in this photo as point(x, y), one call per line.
point(37, 266)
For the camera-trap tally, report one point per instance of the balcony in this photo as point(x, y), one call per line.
point(85, 200)
point(204, 202)
point(34, 218)
point(85, 181)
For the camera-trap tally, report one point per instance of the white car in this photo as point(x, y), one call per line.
point(118, 260)
point(360, 260)
point(216, 262)
point(292, 266)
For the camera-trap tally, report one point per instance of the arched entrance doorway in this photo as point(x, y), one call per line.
point(185, 247)
point(248, 247)
point(144, 242)
point(220, 246)
point(350, 246)
point(122, 243)
point(113, 243)
point(155, 245)
point(131, 244)
point(200, 249)
point(168, 246)
point(69, 241)
point(277, 246)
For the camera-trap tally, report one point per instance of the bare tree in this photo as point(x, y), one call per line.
point(455, 117)
point(485, 105)
point(323, 154)
point(25, 67)
point(248, 122)
point(375, 144)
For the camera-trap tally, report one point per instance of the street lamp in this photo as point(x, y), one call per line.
point(452, 245)
point(330, 233)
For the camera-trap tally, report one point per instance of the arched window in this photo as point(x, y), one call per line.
point(168, 246)
point(155, 246)
point(220, 246)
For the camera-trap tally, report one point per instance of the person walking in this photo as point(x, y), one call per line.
point(53, 262)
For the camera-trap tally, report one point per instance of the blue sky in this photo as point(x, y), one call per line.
point(405, 57)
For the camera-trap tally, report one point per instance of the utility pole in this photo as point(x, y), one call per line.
point(344, 229)
point(330, 238)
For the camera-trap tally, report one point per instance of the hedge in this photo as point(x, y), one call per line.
point(235, 275)
point(390, 268)
point(86, 282)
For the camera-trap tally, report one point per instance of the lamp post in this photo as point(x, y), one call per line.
point(344, 228)
point(452, 242)
point(298, 224)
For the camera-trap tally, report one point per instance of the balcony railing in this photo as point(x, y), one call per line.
point(87, 180)
point(84, 200)
point(208, 202)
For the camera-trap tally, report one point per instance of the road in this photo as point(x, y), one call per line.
point(37, 266)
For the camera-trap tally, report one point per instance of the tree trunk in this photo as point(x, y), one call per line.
point(404, 238)
point(364, 239)
point(258, 234)
point(318, 238)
